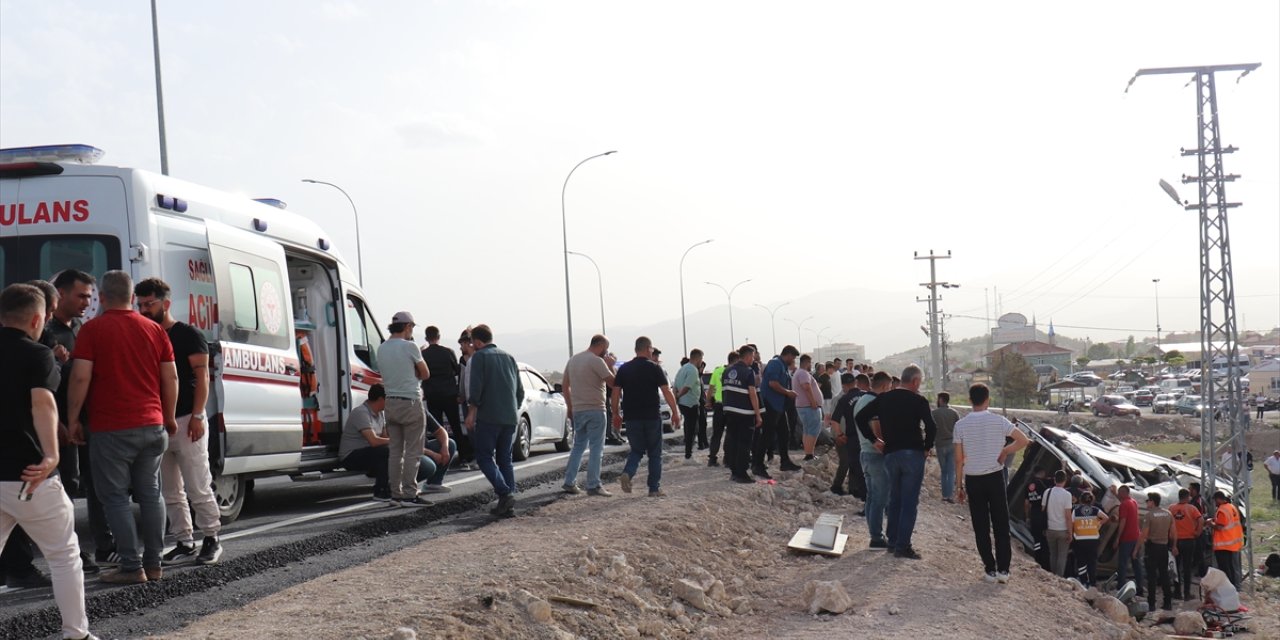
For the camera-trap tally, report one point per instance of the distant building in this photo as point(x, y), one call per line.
point(841, 350)
point(1013, 327)
point(1036, 353)
point(1265, 379)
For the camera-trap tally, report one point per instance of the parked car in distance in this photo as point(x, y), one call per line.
point(1164, 403)
point(543, 417)
point(1189, 405)
point(1143, 398)
point(1114, 405)
point(1087, 378)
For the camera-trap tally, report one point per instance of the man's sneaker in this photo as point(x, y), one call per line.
point(381, 497)
point(87, 564)
point(879, 544)
point(1002, 577)
point(89, 637)
point(712, 463)
point(907, 553)
point(415, 502)
point(808, 457)
point(861, 514)
point(124, 577)
point(599, 491)
point(762, 473)
point(624, 481)
point(183, 552)
point(790, 466)
point(435, 488)
point(29, 579)
point(688, 455)
point(989, 577)
point(571, 489)
point(838, 491)
point(153, 573)
point(107, 557)
point(742, 479)
point(657, 494)
point(210, 551)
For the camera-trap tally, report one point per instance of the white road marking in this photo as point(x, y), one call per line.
point(369, 504)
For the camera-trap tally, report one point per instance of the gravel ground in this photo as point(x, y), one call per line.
point(623, 560)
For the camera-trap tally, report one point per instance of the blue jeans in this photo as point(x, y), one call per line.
point(646, 439)
point(906, 474)
point(493, 453)
point(1124, 559)
point(947, 462)
point(128, 461)
point(428, 470)
point(877, 492)
point(588, 431)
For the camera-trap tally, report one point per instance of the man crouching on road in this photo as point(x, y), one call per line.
point(495, 395)
point(363, 447)
point(639, 381)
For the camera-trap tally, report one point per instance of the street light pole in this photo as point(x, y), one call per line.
point(1156, 282)
point(354, 213)
point(155, 45)
point(684, 333)
point(799, 326)
point(729, 294)
point(773, 327)
point(564, 233)
point(599, 281)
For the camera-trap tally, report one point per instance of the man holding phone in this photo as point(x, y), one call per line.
point(29, 452)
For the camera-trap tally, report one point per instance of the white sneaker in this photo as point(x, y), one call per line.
point(989, 577)
point(1002, 577)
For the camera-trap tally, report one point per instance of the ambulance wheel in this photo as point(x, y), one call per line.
point(520, 449)
point(231, 491)
point(566, 443)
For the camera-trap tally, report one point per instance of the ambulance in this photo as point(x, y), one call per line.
point(292, 340)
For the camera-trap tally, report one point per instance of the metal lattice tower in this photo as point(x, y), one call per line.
point(1218, 335)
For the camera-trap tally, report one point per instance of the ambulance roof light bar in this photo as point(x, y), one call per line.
point(77, 153)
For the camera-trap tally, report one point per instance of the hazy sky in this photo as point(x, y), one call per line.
point(819, 144)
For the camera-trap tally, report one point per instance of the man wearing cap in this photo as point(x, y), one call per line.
point(403, 371)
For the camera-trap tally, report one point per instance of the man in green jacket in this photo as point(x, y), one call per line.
point(494, 396)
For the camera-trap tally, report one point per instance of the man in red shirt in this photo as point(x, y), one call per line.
point(1126, 542)
point(124, 369)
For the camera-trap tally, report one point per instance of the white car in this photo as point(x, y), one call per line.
point(543, 416)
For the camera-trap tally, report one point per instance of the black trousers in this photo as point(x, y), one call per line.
point(737, 444)
point(702, 425)
point(1187, 563)
point(1086, 553)
point(774, 433)
point(444, 406)
point(717, 431)
point(689, 416)
point(850, 465)
point(1275, 486)
point(1158, 573)
point(1038, 525)
point(372, 460)
point(989, 510)
point(1229, 563)
point(793, 424)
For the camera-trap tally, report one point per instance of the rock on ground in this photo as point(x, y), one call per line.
point(826, 595)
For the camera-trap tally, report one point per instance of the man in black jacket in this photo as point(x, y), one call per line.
point(441, 391)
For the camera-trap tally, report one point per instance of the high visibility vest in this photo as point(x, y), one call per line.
point(1084, 522)
point(1230, 537)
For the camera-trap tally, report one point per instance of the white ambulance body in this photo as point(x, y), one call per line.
point(292, 341)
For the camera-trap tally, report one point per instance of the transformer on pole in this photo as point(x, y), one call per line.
point(1222, 393)
point(935, 362)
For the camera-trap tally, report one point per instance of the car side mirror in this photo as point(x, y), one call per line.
point(558, 388)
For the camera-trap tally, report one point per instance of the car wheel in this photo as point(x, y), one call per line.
point(520, 449)
point(565, 442)
point(230, 492)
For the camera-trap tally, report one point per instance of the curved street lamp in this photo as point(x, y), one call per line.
point(599, 281)
point(729, 294)
point(773, 327)
point(564, 233)
point(684, 334)
point(799, 327)
point(355, 214)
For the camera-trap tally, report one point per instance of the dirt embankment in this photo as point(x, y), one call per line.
point(710, 561)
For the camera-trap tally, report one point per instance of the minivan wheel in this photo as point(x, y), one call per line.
point(522, 445)
point(230, 492)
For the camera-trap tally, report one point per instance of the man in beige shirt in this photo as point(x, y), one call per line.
point(1158, 536)
point(585, 378)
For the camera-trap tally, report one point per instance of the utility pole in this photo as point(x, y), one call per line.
point(942, 329)
point(164, 143)
point(1218, 331)
point(935, 363)
point(1156, 282)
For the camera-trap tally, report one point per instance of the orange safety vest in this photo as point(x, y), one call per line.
point(1229, 536)
point(1084, 522)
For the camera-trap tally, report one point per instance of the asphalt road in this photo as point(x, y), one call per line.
point(290, 531)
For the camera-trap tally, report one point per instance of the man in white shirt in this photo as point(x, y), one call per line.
point(1057, 508)
point(1272, 464)
point(980, 453)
